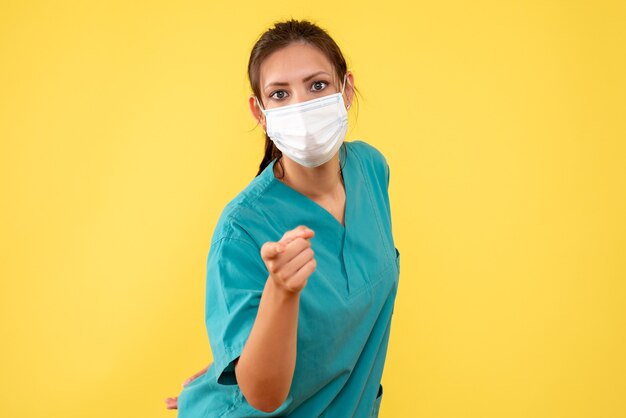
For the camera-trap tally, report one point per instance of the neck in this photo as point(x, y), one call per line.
point(314, 182)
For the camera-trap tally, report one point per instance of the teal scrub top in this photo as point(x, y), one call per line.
point(345, 308)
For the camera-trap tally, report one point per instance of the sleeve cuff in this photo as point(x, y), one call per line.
point(224, 365)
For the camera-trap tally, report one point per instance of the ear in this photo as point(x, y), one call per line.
point(256, 111)
point(349, 90)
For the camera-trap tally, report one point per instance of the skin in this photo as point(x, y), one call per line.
point(322, 184)
point(265, 368)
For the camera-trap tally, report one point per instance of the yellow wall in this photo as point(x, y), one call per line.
point(124, 130)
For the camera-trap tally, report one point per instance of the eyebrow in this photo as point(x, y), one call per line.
point(304, 80)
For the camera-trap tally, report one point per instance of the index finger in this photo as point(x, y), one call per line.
point(300, 231)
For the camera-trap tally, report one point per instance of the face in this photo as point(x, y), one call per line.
point(294, 74)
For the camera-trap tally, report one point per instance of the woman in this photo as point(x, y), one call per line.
point(302, 270)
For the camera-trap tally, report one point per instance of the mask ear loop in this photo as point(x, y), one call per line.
point(259, 105)
point(345, 79)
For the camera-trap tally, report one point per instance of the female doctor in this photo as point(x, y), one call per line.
point(302, 271)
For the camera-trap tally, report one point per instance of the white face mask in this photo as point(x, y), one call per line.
point(310, 132)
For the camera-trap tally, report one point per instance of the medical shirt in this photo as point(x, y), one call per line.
point(345, 308)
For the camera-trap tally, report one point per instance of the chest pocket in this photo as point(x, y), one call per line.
point(367, 257)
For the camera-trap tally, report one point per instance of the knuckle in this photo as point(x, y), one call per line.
point(288, 286)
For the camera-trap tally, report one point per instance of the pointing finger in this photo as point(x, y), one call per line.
point(300, 231)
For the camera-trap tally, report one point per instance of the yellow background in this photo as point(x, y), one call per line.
point(124, 130)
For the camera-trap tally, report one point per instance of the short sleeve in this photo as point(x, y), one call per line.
point(235, 279)
point(374, 159)
point(382, 164)
point(387, 172)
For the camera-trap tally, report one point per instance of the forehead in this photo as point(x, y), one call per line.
point(292, 63)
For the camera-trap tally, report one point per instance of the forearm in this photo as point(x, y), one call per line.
point(265, 368)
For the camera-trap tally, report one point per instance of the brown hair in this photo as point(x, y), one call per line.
point(281, 35)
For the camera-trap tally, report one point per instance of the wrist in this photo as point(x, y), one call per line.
point(280, 293)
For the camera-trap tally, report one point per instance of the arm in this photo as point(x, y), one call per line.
point(265, 368)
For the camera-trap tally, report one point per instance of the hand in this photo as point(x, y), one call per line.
point(172, 403)
point(290, 261)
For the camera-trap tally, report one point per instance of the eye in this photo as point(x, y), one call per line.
point(316, 84)
point(281, 94)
